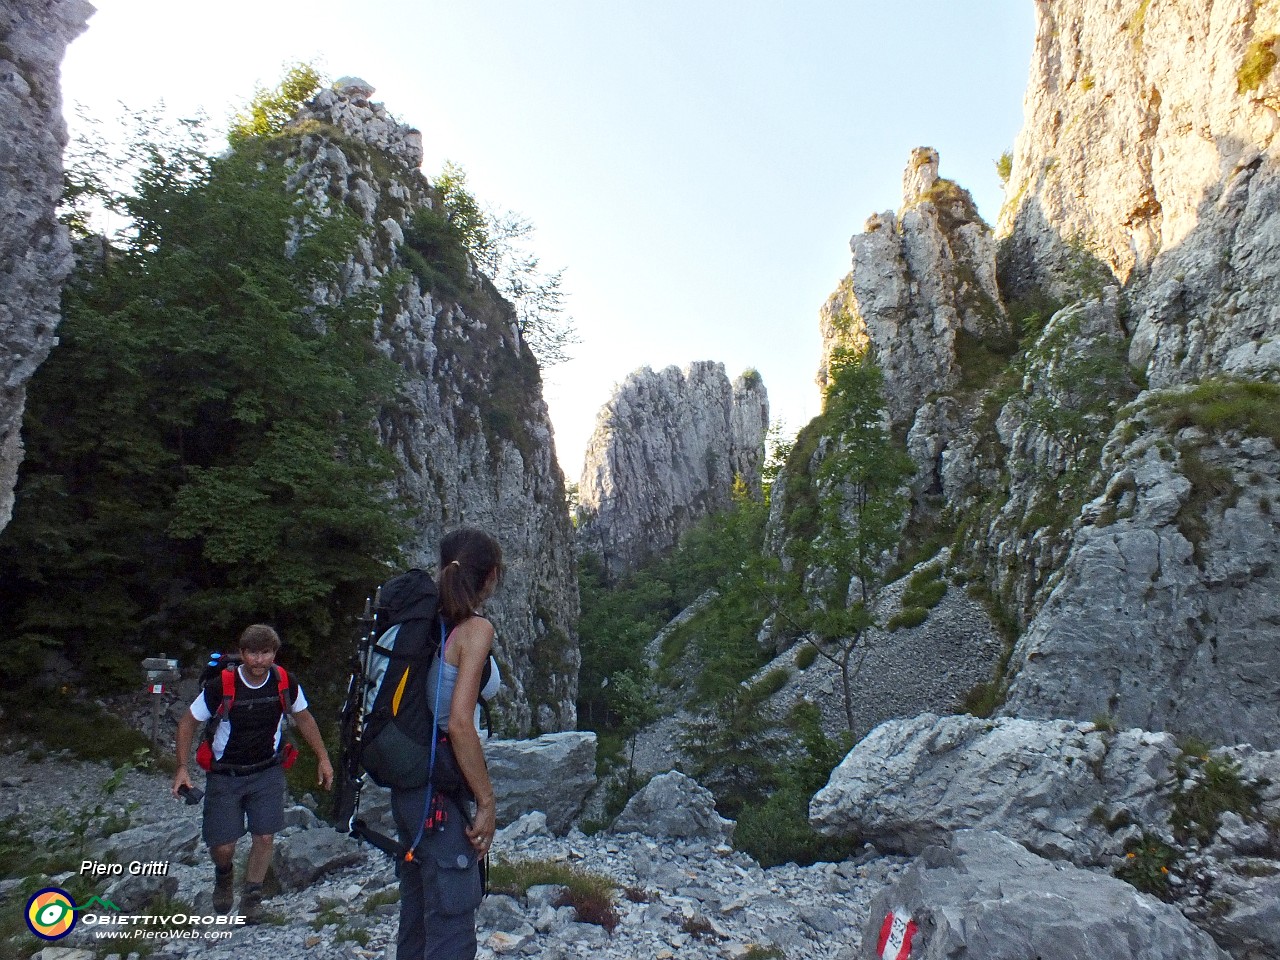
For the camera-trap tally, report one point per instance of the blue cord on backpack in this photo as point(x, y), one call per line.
point(435, 736)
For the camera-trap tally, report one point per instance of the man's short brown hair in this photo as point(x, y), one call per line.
point(259, 638)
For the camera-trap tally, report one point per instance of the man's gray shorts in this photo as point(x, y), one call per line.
point(229, 800)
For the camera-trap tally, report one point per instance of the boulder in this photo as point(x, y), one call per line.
point(552, 774)
point(303, 857)
point(1064, 789)
point(677, 807)
point(135, 893)
point(176, 839)
point(986, 896)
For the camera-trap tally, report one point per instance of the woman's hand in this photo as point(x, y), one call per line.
point(481, 831)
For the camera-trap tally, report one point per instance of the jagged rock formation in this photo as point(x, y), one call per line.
point(1110, 493)
point(921, 283)
point(665, 453)
point(1187, 215)
point(35, 252)
point(1099, 446)
point(986, 896)
point(1156, 156)
point(471, 431)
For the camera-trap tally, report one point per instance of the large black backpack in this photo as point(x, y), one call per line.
point(388, 730)
point(399, 715)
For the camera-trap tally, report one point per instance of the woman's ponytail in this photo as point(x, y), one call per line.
point(468, 557)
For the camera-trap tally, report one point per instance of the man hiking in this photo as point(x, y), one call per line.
point(246, 755)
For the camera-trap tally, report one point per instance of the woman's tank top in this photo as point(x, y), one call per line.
point(446, 683)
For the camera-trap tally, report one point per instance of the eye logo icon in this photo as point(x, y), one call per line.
point(51, 914)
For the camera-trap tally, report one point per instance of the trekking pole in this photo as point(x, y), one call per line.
point(347, 797)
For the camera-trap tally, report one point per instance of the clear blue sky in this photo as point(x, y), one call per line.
point(697, 167)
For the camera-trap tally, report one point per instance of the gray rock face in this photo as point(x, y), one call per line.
point(919, 281)
point(986, 896)
point(1164, 615)
point(1157, 156)
point(912, 783)
point(665, 453)
point(551, 774)
point(35, 253)
point(674, 806)
point(471, 430)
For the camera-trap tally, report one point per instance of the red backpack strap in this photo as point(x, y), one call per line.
point(228, 691)
point(284, 689)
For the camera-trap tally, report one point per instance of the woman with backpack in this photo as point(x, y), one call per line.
point(449, 832)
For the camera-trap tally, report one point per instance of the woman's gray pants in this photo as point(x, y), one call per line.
point(439, 888)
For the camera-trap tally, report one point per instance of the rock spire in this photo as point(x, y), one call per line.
point(666, 452)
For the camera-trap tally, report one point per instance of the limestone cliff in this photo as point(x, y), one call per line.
point(471, 431)
point(35, 253)
point(1089, 394)
point(1150, 145)
point(666, 451)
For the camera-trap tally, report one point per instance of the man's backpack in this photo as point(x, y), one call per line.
point(225, 668)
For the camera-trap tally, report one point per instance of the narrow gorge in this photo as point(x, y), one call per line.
point(1020, 699)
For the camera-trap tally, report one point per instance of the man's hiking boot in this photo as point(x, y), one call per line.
point(251, 902)
point(223, 889)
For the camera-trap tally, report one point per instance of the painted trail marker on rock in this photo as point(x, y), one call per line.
point(896, 934)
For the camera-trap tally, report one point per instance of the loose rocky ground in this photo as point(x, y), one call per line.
point(677, 898)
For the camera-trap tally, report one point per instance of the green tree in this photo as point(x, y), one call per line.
point(200, 449)
point(270, 111)
point(735, 744)
point(500, 244)
point(777, 830)
point(862, 507)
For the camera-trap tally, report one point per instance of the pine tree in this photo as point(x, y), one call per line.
point(861, 509)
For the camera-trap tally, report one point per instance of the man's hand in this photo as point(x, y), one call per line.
point(180, 779)
point(306, 724)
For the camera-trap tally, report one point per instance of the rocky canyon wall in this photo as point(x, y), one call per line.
point(35, 252)
point(1089, 392)
point(471, 429)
